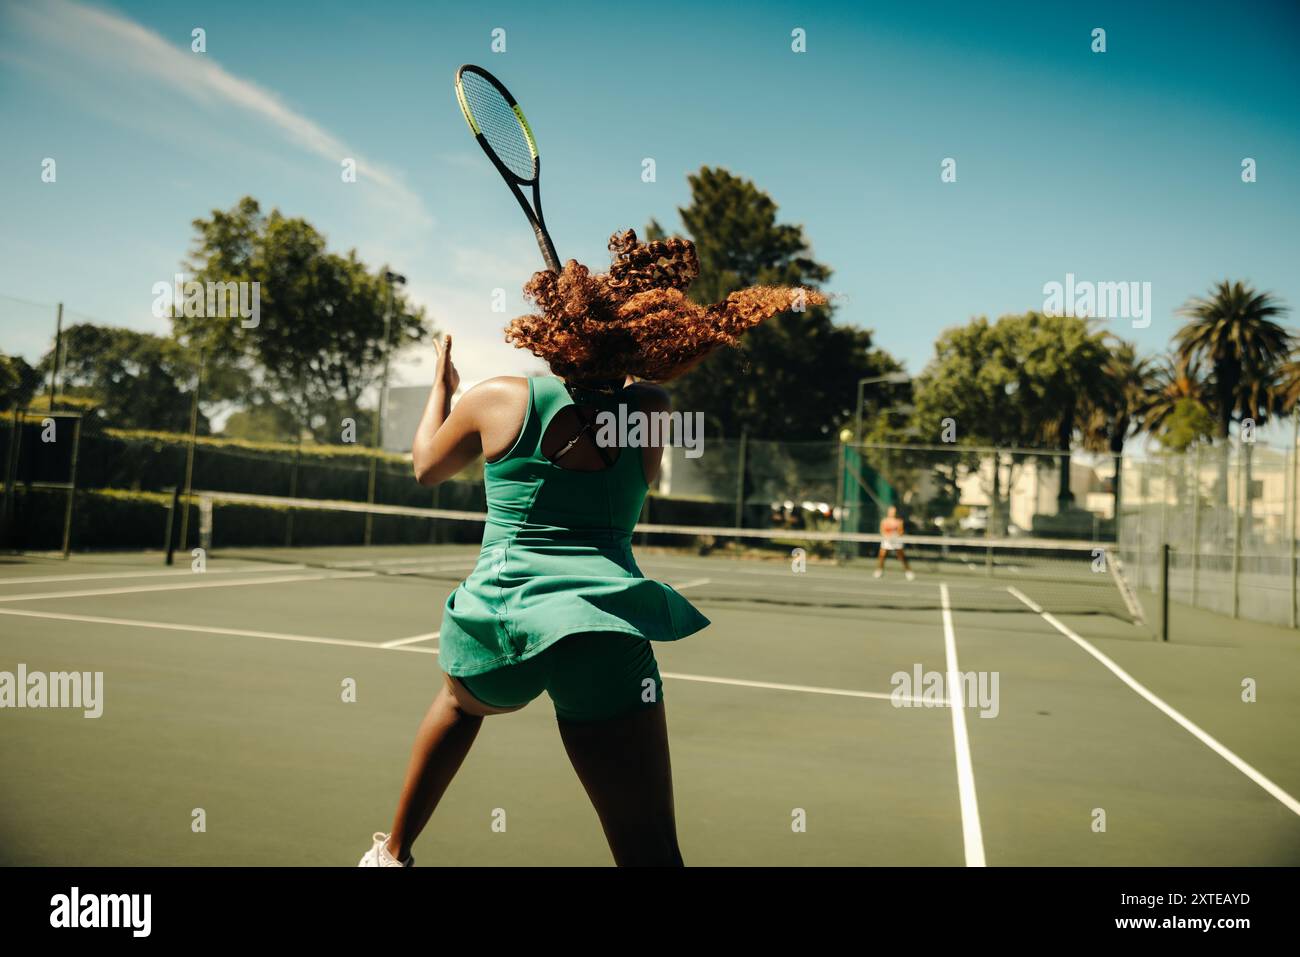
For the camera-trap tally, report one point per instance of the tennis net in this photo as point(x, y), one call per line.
point(816, 568)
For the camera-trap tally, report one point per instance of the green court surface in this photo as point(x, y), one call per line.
point(224, 691)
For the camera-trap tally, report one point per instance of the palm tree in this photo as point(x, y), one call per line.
point(1174, 383)
point(1118, 409)
point(1287, 385)
point(1231, 332)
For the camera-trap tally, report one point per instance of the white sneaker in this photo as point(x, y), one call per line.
point(911, 575)
point(380, 856)
point(877, 573)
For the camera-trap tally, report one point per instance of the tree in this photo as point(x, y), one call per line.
point(969, 394)
point(793, 378)
point(18, 382)
point(1116, 411)
point(319, 342)
point(1232, 334)
point(1186, 423)
point(1175, 390)
point(131, 379)
point(1061, 364)
point(1288, 385)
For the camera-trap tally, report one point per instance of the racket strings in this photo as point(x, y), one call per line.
point(499, 125)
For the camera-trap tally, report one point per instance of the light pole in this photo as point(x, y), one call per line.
point(892, 377)
point(390, 279)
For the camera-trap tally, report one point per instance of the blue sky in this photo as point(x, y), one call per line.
point(1122, 166)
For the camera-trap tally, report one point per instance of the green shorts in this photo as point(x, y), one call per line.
point(593, 676)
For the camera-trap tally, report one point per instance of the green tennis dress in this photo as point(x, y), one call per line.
point(557, 554)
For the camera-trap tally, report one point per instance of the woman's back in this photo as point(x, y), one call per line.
point(557, 546)
point(556, 480)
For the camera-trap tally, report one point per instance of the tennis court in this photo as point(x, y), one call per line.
point(225, 691)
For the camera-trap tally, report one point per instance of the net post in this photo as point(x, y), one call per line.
point(1164, 591)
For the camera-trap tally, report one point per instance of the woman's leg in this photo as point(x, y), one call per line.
point(445, 737)
point(623, 764)
point(609, 704)
point(441, 744)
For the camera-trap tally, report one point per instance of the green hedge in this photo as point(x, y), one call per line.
point(118, 519)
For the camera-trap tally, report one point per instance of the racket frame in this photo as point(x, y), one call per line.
point(534, 213)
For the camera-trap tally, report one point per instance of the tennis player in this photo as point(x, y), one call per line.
point(891, 531)
point(556, 602)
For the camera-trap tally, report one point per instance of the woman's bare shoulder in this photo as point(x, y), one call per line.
point(501, 388)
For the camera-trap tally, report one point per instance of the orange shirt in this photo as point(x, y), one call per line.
point(891, 527)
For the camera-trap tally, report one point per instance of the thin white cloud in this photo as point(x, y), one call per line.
point(94, 45)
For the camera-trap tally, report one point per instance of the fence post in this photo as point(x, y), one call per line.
point(172, 509)
point(370, 499)
point(1164, 499)
point(1196, 521)
point(1295, 455)
point(740, 480)
point(8, 504)
point(1236, 539)
point(72, 489)
point(841, 493)
point(189, 454)
point(1164, 591)
point(293, 490)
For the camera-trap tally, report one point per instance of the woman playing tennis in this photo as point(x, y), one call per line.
point(556, 602)
point(891, 535)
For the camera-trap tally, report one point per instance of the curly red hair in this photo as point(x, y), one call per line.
point(635, 319)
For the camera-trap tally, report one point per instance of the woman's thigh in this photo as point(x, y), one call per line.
point(502, 690)
point(599, 676)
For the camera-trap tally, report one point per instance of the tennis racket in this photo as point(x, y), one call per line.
point(498, 124)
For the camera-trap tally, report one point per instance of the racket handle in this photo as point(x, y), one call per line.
point(547, 247)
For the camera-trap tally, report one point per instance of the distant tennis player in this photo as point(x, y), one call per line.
point(891, 531)
point(556, 602)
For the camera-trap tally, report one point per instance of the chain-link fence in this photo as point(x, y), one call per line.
point(938, 490)
point(1228, 515)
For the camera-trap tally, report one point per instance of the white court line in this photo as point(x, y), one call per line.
point(717, 567)
point(407, 644)
point(424, 561)
point(972, 833)
point(208, 630)
point(90, 593)
point(414, 639)
point(45, 579)
point(774, 686)
point(692, 584)
point(1290, 803)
